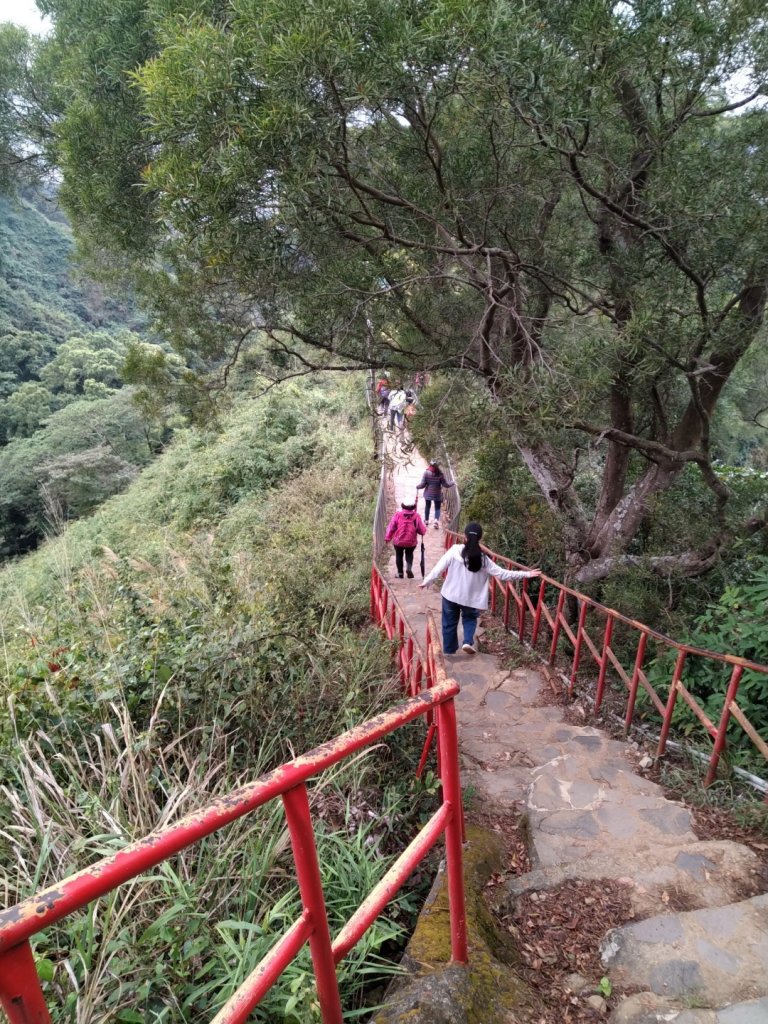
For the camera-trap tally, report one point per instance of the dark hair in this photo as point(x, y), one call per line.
point(471, 553)
point(435, 467)
point(407, 507)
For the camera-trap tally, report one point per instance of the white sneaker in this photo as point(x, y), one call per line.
point(469, 648)
point(437, 524)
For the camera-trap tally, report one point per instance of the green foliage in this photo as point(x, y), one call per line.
point(734, 623)
point(553, 202)
point(79, 361)
point(83, 454)
point(42, 303)
point(26, 107)
point(68, 439)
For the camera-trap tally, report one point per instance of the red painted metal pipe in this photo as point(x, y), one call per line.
point(722, 728)
point(302, 833)
point(604, 662)
point(239, 1007)
point(557, 626)
point(391, 883)
point(669, 710)
point(730, 659)
point(425, 751)
point(537, 616)
point(20, 994)
point(521, 612)
point(577, 648)
point(638, 667)
point(38, 912)
point(454, 832)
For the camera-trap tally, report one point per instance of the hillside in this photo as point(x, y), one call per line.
point(70, 435)
point(190, 634)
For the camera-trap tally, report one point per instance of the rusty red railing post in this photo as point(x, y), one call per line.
point(604, 662)
point(418, 675)
point(493, 595)
point(557, 626)
point(299, 818)
point(537, 616)
point(635, 681)
point(448, 746)
point(401, 653)
point(408, 665)
point(577, 647)
point(667, 723)
point(733, 689)
point(20, 993)
point(507, 589)
point(521, 612)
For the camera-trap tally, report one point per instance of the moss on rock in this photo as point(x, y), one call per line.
point(436, 991)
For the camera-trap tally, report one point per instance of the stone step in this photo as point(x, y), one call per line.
point(579, 806)
point(696, 875)
point(709, 958)
point(647, 1008)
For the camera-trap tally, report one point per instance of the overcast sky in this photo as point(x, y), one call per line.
point(24, 12)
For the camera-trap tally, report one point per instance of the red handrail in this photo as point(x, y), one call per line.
point(20, 992)
point(604, 656)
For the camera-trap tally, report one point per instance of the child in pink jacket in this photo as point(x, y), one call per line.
point(404, 528)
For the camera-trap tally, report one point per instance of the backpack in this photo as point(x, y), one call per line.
point(406, 534)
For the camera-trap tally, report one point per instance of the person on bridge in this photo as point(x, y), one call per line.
point(397, 404)
point(465, 591)
point(433, 483)
point(404, 528)
point(382, 393)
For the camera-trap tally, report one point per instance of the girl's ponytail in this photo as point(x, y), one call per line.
point(472, 554)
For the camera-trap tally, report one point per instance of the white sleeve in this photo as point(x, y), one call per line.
point(440, 567)
point(506, 574)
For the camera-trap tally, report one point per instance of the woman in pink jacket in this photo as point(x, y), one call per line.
point(404, 528)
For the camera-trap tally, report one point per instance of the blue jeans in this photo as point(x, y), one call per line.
point(451, 613)
point(428, 506)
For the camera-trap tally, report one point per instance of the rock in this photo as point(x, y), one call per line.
point(705, 873)
point(597, 1003)
point(715, 956)
point(432, 990)
point(646, 761)
point(577, 983)
point(649, 1008)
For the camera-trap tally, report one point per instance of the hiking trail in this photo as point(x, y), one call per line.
point(590, 815)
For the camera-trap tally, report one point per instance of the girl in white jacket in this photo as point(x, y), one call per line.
point(465, 591)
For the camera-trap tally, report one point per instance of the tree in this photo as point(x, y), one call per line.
point(555, 201)
point(25, 410)
point(81, 361)
point(26, 107)
point(83, 454)
point(23, 354)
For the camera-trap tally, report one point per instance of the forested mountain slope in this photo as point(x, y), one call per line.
point(70, 434)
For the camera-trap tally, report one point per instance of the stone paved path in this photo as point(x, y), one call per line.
point(592, 816)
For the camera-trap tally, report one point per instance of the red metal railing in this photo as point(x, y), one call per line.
point(532, 618)
point(416, 671)
point(21, 994)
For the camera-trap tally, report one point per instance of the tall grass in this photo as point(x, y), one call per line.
point(173, 944)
